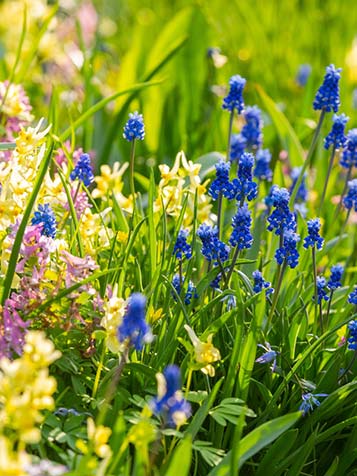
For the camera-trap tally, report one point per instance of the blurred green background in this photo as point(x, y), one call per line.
point(167, 41)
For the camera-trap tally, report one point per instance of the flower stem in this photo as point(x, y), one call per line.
point(280, 275)
point(329, 305)
point(327, 179)
point(132, 185)
point(308, 158)
point(314, 272)
point(188, 384)
point(348, 176)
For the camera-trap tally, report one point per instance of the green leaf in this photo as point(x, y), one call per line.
point(180, 462)
point(256, 440)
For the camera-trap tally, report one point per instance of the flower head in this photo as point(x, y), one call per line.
point(270, 355)
point(244, 185)
point(328, 94)
point(191, 289)
point(221, 184)
point(350, 200)
point(303, 75)
point(281, 217)
point(336, 137)
point(83, 170)
point(234, 99)
point(169, 403)
point(352, 297)
point(349, 154)
point(212, 247)
point(260, 283)
point(335, 278)
point(321, 289)
point(238, 144)
point(352, 340)
point(45, 216)
point(241, 223)
point(252, 130)
point(313, 238)
point(134, 327)
point(182, 248)
point(288, 250)
point(309, 400)
point(134, 128)
point(262, 169)
point(205, 352)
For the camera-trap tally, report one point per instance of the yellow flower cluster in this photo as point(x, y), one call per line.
point(110, 186)
point(183, 178)
point(114, 309)
point(26, 387)
point(12, 463)
point(13, 104)
point(98, 437)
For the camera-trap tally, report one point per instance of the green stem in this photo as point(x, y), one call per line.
point(230, 134)
point(132, 185)
point(348, 176)
point(329, 305)
point(231, 269)
point(219, 215)
point(327, 179)
point(308, 158)
point(314, 272)
point(281, 271)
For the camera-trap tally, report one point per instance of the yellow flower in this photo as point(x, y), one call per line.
point(109, 180)
point(12, 463)
point(114, 312)
point(99, 437)
point(205, 352)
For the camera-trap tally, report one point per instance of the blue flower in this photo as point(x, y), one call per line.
point(134, 128)
point(169, 403)
point(352, 297)
point(241, 223)
point(234, 99)
point(221, 184)
point(238, 144)
point(350, 200)
point(212, 247)
point(134, 327)
point(309, 400)
point(191, 289)
point(46, 218)
point(252, 130)
point(321, 289)
point(244, 185)
point(281, 217)
point(214, 284)
point(352, 340)
point(83, 170)
point(335, 278)
point(349, 154)
point(260, 283)
point(313, 238)
point(328, 94)
point(269, 356)
point(337, 137)
point(262, 169)
point(302, 193)
point(303, 74)
point(288, 250)
point(182, 248)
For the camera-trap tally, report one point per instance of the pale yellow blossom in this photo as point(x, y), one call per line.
point(205, 352)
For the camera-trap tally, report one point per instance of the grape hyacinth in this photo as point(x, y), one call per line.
point(313, 238)
point(281, 217)
point(252, 130)
point(45, 216)
point(234, 99)
point(238, 144)
point(350, 200)
point(336, 137)
point(83, 170)
point(335, 279)
point(191, 289)
point(260, 283)
point(169, 403)
point(349, 154)
point(352, 340)
point(241, 223)
point(303, 75)
point(212, 247)
point(244, 185)
point(134, 128)
point(288, 250)
point(309, 401)
point(328, 94)
point(134, 327)
point(321, 289)
point(302, 193)
point(262, 169)
point(221, 184)
point(352, 297)
point(182, 248)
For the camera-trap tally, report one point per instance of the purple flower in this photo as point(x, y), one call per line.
point(134, 327)
point(234, 99)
